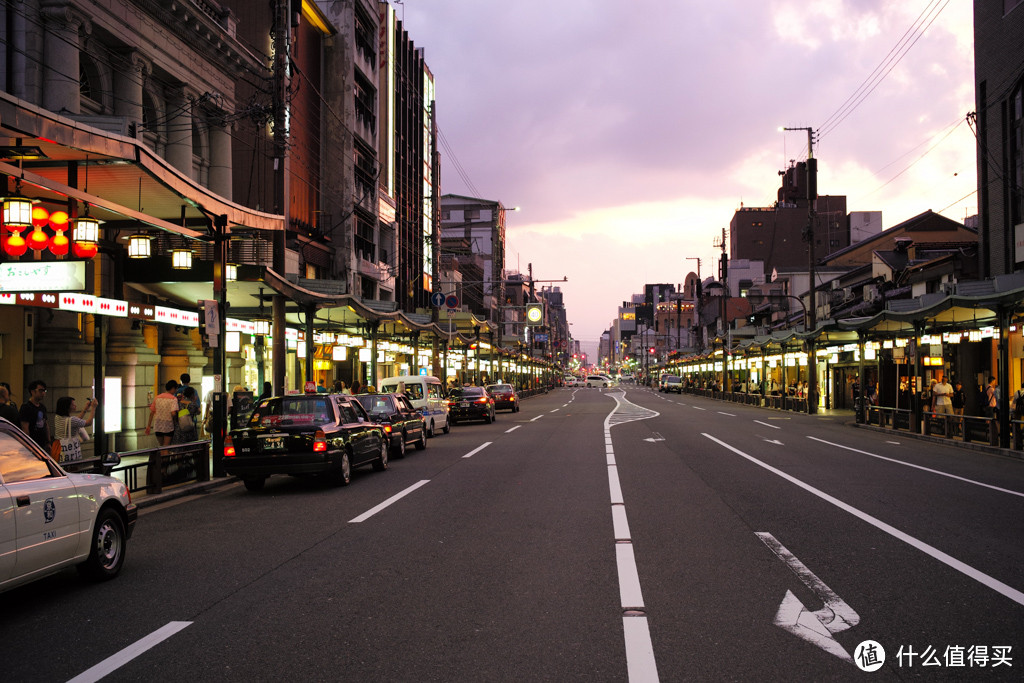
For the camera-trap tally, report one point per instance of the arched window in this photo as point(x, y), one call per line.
point(200, 151)
point(90, 88)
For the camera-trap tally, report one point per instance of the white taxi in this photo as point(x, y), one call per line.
point(51, 519)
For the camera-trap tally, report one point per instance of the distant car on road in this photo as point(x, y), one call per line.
point(51, 519)
point(672, 383)
point(305, 434)
point(470, 403)
point(602, 381)
point(505, 396)
point(402, 423)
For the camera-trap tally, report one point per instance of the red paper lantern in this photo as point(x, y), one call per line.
point(15, 245)
point(59, 220)
point(59, 244)
point(40, 216)
point(38, 239)
point(84, 249)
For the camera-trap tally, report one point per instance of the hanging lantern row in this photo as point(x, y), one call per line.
point(21, 213)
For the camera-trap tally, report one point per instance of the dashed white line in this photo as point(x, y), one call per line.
point(536, 418)
point(477, 449)
point(724, 413)
point(390, 501)
point(116, 661)
point(767, 425)
point(508, 431)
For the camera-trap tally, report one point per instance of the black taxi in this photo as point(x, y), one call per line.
point(395, 414)
point(304, 434)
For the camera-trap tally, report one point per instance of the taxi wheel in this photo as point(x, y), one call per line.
point(447, 426)
point(106, 553)
point(430, 430)
point(421, 445)
point(344, 474)
point(400, 448)
point(488, 418)
point(381, 463)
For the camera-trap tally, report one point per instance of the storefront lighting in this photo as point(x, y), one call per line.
point(340, 353)
point(139, 246)
point(17, 212)
point(232, 272)
point(262, 326)
point(181, 259)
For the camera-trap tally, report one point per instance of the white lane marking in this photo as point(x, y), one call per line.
point(509, 431)
point(620, 524)
point(640, 664)
point(729, 414)
point(629, 578)
point(919, 467)
point(613, 485)
point(554, 410)
point(767, 425)
point(390, 501)
point(699, 408)
point(536, 418)
point(477, 449)
point(116, 661)
point(895, 443)
point(950, 561)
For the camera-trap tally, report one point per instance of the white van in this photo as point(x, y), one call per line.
point(426, 395)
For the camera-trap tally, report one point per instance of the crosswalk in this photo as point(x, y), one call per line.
point(626, 411)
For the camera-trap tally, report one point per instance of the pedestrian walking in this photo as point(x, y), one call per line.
point(990, 408)
point(32, 415)
point(186, 417)
point(8, 409)
point(161, 414)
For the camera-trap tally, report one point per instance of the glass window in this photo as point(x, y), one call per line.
point(348, 413)
point(414, 391)
point(19, 463)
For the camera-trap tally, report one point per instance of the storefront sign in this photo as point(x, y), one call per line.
point(42, 276)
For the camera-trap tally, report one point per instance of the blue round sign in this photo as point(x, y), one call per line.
point(437, 299)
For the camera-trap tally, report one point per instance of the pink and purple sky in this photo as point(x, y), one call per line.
point(629, 133)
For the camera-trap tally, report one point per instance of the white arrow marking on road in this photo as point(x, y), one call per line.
point(814, 627)
point(774, 441)
point(655, 437)
point(768, 425)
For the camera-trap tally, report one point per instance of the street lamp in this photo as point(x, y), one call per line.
point(812, 196)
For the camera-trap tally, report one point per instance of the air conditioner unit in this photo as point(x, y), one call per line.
point(948, 287)
point(871, 293)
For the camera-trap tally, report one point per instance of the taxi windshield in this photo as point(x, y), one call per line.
point(285, 411)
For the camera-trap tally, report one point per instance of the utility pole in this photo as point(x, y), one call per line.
point(811, 314)
point(282, 58)
point(723, 271)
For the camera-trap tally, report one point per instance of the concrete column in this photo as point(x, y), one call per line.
point(179, 131)
point(128, 82)
point(220, 160)
point(61, 45)
point(129, 358)
point(180, 353)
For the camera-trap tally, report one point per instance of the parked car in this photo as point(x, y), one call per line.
point(470, 403)
point(601, 381)
point(505, 396)
point(672, 383)
point(51, 519)
point(426, 394)
point(305, 434)
point(402, 423)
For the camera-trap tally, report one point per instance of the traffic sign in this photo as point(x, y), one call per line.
point(451, 301)
point(437, 299)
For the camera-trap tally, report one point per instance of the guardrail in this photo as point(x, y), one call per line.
point(151, 469)
point(967, 428)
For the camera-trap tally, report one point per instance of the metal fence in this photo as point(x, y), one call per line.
point(151, 469)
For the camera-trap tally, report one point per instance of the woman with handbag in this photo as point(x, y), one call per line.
point(69, 427)
point(186, 418)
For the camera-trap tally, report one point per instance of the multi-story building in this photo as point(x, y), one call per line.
point(999, 93)
point(473, 226)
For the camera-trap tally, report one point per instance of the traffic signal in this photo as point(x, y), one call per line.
point(535, 314)
point(650, 350)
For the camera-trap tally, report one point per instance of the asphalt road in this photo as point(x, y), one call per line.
point(597, 535)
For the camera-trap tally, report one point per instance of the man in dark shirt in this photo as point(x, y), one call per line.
point(33, 414)
point(7, 411)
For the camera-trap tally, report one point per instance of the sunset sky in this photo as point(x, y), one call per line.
point(629, 133)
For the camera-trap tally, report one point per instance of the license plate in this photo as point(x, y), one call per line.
point(273, 443)
point(463, 405)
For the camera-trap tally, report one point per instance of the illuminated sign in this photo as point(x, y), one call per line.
point(42, 276)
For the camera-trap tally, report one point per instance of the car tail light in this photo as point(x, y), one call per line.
point(319, 441)
point(229, 447)
point(483, 399)
point(387, 429)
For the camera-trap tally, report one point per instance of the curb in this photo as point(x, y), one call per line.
point(148, 500)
